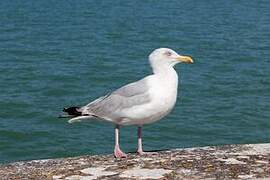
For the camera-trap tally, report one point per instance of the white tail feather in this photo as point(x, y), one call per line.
point(79, 119)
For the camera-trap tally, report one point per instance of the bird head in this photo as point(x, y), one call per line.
point(166, 56)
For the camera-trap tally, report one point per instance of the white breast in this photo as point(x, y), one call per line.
point(163, 93)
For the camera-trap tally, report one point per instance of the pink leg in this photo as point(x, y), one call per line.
point(117, 151)
point(140, 149)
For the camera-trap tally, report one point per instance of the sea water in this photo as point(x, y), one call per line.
point(55, 54)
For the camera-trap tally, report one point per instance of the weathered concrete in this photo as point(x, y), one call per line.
point(221, 162)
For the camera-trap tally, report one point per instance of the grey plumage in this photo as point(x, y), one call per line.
point(110, 107)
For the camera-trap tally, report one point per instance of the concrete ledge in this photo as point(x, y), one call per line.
point(250, 161)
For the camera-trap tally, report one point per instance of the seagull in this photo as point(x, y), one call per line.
point(142, 102)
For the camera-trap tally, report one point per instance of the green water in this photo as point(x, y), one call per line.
point(60, 53)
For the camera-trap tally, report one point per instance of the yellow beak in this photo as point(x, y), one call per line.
point(185, 59)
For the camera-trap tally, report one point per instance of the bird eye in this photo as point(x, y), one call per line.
point(168, 53)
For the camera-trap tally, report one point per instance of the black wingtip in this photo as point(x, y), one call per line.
point(72, 111)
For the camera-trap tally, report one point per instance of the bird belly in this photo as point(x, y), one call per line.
point(160, 106)
point(163, 93)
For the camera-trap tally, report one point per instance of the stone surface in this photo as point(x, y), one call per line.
point(143, 173)
point(250, 161)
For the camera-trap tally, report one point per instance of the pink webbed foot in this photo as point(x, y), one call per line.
point(118, 153)
point(141, 153)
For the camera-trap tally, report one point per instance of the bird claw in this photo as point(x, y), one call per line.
point(141, 153)
point(119, 154)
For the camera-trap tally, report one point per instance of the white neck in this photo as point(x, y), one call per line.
point(165, 73)
point(166, 78)
point(160, 67)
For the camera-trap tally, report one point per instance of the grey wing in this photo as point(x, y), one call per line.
point(111, 105)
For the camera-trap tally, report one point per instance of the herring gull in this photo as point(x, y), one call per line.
point(138, 103)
